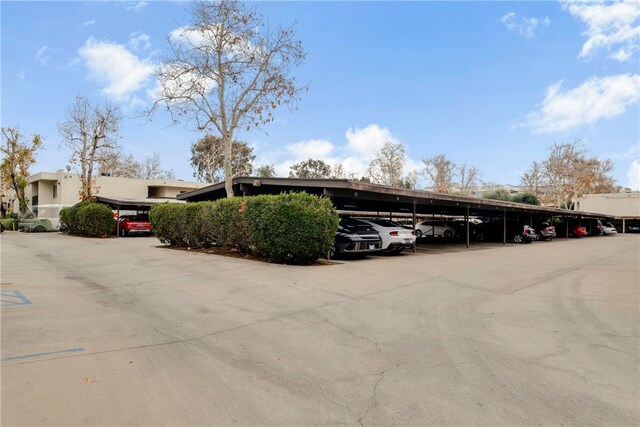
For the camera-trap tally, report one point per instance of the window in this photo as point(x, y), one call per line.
point(55, 191)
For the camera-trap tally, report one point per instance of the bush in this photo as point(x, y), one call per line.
point(526, 198)
point(292, 228)
point(88, 219)
point(295, 228)
point(96, 220)
point(500, 194)
point(9, 223)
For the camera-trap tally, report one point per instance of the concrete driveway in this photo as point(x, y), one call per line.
point(120, 332)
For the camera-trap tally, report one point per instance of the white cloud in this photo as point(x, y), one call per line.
point(139, 42)
point(21, 75)
point(354, 154)
point(88, 23)
point(114, 65)
point(524, 26)
point(593, 100)
point(609, 25)
point(633, 175)
point(137, 6)
point(43, 55)
point(632, 153)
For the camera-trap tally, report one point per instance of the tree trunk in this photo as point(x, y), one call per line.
point(228, 176)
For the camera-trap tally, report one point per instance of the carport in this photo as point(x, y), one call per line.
point(138, 205)
point(348, 195)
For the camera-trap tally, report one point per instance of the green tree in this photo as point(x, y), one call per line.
point(499, 194)
point(526, 198)
point(311, 169)
point(207, 159)
point(228, 71)
point(265, 171)
point(18, 157)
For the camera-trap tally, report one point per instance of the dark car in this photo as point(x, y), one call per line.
point(494, 231)
point(633, 228)
point(545, 231)
point(355, 237)
point(134, 224)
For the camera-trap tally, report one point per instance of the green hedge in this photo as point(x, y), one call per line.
point(294, 228)
point(9, 223)
point(88, 219)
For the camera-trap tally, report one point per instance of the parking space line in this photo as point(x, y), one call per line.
point(13, 297)
point(46, 353)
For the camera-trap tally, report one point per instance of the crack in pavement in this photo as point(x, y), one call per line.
point(374, 396)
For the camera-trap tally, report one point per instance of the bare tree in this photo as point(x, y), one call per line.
point(468, 178)
point(89, 131)
point(151, 168)
point(568, 172)
point(114, 162)
point(228, 71)
point(387, 168)
point(310, 168)
point(207, 159)
point(440, 171)
point(18, 157)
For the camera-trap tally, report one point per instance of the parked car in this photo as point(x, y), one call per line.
point(596, 230)
point(461, 228)
point(134, 224)
point(434, 229)
point(577, 231)
point(355, 237)
point(546, 231)
point(394, 237)
point(493, 231)
point(608, 229)
point(633, 228)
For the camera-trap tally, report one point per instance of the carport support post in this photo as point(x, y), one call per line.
point(567, 228)
point(466, 220)
point(624, 228)
point(414, 226)
point(118, 222)
point(504, 226)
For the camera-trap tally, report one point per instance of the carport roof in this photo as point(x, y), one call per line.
point(139, 204)
point(361, 196)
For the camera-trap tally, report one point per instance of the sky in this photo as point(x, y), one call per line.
point(492, 84)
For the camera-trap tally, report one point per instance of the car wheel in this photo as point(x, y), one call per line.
point(517, 238)
point(332, 252)
point(418, 233)
point(123, 232)
point(447, 233)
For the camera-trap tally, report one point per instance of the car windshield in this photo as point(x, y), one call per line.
point(353, 225)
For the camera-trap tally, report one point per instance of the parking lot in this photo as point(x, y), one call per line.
point(121, 332)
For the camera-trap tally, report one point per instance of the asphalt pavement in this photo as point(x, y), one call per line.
point(122, 332)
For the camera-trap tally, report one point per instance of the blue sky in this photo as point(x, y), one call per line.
point(493, 84)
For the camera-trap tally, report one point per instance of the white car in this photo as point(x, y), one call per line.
point(434, 229)
point(608, 228)
point(395, 238)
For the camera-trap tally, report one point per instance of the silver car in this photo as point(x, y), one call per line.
point(608, 228)
point(395, 238)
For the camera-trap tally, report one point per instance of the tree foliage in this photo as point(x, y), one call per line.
point(526, 198)
point(311, 169)
point(568, 172)
point(499, 194)
point(18, 157)
point(387, 168)
point(227, 72)
point(265, 171)
point(114, 162)
point(207, 159)
point(88, 132)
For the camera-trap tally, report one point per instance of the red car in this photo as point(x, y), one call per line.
point(577, 231)
point(134, 224)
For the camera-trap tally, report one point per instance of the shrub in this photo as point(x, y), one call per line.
point(69, 218)
point(500, 194)
point(227, 219)
point(527, 198)
point(9, 223)
point(95, 220)
point(166, 223)
point(294, 228)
